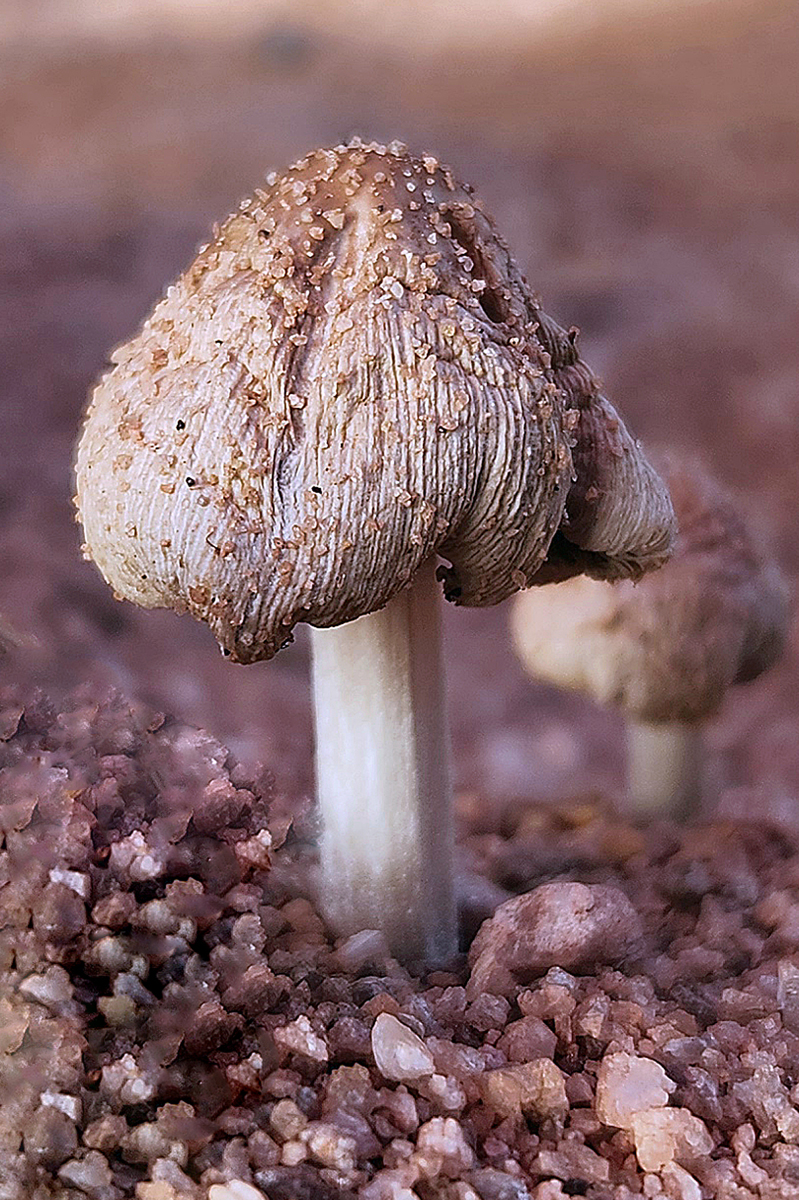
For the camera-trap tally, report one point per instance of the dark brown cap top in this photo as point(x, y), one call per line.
point(352, 376)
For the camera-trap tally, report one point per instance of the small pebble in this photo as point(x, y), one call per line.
point(628, 1084)
point(573, 925)
point(300, 1038)
point(400, 1054)
point(236, 1189)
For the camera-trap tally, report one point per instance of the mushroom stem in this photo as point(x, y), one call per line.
point(382, 774)
point(664, 767)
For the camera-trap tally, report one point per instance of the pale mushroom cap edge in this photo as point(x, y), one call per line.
point(669, 647)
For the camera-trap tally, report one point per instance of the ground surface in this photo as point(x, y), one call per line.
point(176, 1021)
point(648, 181)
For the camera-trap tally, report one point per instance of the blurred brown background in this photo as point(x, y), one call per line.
point(643, 162)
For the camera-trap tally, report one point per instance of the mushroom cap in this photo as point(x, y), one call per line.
point(351, 376)
point(667, 648)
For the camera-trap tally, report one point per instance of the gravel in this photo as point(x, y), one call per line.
point(177, 1021)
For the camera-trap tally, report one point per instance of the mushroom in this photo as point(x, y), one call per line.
point(666, 650)
point(351, 379)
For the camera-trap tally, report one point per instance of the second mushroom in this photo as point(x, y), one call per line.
point(350, 382)
point(665, 652)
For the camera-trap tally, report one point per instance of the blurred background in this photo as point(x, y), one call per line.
point(642, 160)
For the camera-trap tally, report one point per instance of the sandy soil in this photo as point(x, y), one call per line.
point(177, 1022)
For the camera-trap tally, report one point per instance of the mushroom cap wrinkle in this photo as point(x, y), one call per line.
point(665, 649)
point(351, 376)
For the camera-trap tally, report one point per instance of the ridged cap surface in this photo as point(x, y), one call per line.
point(352, 376)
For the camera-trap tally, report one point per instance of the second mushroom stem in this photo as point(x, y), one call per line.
point(382, 774)
point(664, 768)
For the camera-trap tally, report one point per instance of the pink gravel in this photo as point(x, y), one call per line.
point(176, 1019)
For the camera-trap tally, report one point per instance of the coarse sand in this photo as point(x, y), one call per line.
point(175, 1014)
